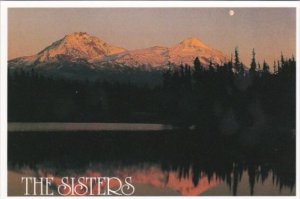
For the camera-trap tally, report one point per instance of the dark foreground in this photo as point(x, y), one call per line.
point(203, 159)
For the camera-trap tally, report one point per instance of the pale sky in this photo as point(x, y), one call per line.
point(268, 30)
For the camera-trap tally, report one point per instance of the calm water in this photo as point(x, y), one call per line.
point(167, 162)
point(69, 127)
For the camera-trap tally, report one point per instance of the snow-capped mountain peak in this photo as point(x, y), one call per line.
point(79, 45)
point(186, 51)
point(193, 42)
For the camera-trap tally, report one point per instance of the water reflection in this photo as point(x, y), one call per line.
point(159, 181)
point(178, 162)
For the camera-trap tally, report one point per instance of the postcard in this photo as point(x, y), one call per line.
point(148, 99)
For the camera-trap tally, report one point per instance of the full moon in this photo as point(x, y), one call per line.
point(231, 12)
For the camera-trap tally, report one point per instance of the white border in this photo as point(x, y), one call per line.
point(120, 4)
point(3, 103)
point(146, 4)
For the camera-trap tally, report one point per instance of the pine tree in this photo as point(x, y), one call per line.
point(197, 65)
point(278, 67)
point(230, 65)
point(210, 66)
point(274, 67)
point(282, 61)
point(242, 69)
point(259, 66)
point(237, 64)
point(198, 68)
point(253, 62)
point(266, 67)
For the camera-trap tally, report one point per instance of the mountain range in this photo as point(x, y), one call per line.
point(80, 52)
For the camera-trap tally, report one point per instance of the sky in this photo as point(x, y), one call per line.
point(269, 30)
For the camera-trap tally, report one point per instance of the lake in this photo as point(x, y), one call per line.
point(69, 127)
point(161, 160)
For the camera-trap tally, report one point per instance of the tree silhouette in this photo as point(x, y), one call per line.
point(266, 68)
point(198, 68)
point(253, 63)
point(237, 64)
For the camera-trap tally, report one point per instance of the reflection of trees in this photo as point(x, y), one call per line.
point(187, 152)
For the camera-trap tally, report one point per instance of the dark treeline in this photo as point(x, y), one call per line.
point(36, 98)
point(230, 97)
point(224, 96)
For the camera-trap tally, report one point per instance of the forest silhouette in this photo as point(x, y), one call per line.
point(227, 97)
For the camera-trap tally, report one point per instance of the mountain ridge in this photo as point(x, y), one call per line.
point(84, 56)
point(81, 46)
